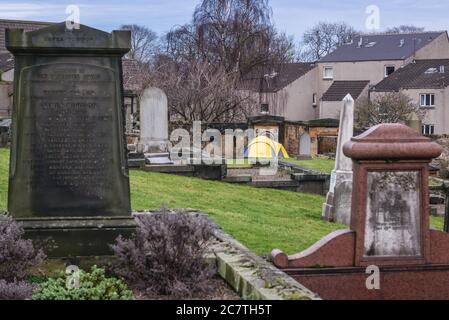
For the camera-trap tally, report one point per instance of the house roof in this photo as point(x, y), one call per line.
point(339, 89)
point(6, 61)
point(273, 79)
point(382, 47)
point(420, 74)
point(18, 24)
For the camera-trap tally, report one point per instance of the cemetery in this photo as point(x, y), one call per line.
point(102, 199)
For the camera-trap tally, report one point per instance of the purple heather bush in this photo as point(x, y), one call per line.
point(166, 255)
point(17, 290)
point(17, 255)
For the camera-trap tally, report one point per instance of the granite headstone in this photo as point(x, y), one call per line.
point(68, 175)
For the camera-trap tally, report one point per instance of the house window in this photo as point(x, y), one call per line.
point(264, 108)
point(427, 100)
point(328, 73)
point(389, 70)
point(314, 99)
point(428, 129)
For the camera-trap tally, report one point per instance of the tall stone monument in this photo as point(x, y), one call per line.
point(154, 126)
point(338, 201)
point(68, 182)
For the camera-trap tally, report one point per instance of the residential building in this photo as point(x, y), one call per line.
point(426, 82)
point(369, 59)
point(287, 91)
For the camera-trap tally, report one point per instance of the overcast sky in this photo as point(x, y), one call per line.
point(291, 16)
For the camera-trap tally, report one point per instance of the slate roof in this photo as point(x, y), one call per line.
point(420, 74)
point(18, 24)
point(339, 89)
point(273, 79)
point(6, 61)
point(382, 47)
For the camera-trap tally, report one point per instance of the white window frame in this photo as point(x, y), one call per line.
point(314, 96)
point(425, 105)
point(428, 129)
point(389, 66)
point(324, 73)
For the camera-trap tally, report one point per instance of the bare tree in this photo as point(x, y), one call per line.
point(143, 42)
point(388, 107)
point(204, 61)
point(405, 29)
point(324, 38)
point(200, 91)
point(239, 34)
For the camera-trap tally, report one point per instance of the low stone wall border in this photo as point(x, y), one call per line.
point(251, 276)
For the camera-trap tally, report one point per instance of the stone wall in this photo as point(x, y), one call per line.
point(291, 141)
point(293, 132)
point(316, 132)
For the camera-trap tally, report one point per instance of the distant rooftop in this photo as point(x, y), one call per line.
point(19, 24)
point(339, 89)
point(382, 47)
point(273, 79)
point(421, 74)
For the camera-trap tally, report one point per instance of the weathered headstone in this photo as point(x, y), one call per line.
point(304, 146)
point(154, 126)
point(338, 201)
point(68, 176)
point(390, 238)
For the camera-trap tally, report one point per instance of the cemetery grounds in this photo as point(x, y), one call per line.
point(293, 220)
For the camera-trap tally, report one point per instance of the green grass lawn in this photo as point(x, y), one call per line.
point(262, 219)
point(319, 164)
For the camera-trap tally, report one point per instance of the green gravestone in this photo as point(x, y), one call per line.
point(68, 181)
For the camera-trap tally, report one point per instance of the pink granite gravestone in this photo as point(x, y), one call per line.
point(389, 225)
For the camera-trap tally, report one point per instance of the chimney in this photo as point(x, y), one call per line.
point(401, 43)
point(360, 42)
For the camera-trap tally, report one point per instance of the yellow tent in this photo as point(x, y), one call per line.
point(263, 147)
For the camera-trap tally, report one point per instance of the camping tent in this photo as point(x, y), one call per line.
point(265, 148)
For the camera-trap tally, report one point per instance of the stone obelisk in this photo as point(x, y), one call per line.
point(338, 201)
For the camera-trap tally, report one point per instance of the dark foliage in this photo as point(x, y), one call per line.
point(166, 256)
point(17, 255)
point(15, 290)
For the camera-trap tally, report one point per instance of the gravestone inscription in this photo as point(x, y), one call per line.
point(68, 162)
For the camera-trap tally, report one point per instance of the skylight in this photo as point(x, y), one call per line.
point(431, 70)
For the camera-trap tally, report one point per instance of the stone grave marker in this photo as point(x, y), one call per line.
point(154, 126)
point(304, 146)
point(389, 226)
point(338, 200)
point(68, 178)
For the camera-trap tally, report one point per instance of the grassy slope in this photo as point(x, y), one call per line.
point(262, 219)
point(321, 165)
